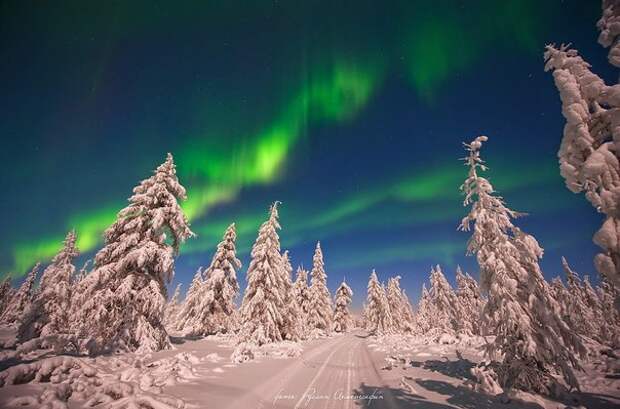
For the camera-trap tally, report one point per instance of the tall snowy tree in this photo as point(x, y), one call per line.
point(49, 312)
point(173, 307)
point(6, 293)
point(590, 150)
point(262, 310)
point(292, 326)
point(580, 314)
point(377, 311)
point(425, 313)
point(211, 308)
point(122, 301)
point(302, 291)
point(469, 303)
point(342, 317)
point(320, 312)
point(21, 300)
point(444, 301)
point(610, 317)
point(531, 339)
point(187, 319)
point(400, 309)
point(609, 25)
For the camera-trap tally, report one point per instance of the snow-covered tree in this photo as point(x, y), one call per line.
point(579, 314)
point(342, 317)
point(531, 339)
point(49, 312)
point(609, 25)
point(262, 310)
point(21, 300)
point(320, 311)
point(425, 313)
point(302, 291)
point(590, 150)
point(6, 293)
point(377, 310)
point(610, 317)
point(293, 328)
point(469, 303)
point(400, 309)
point(211, 307)
point(187, 318)
point(122, 301)
point(173, 307)
point(444, 302)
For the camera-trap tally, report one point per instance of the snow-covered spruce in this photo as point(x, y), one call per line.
point(342, 317)
point(531, 339)
point(610, 316)
point(209, 307)
point(469, 304)
point(173, 307)
point(6, 293)
point(21, 300)
point(320, 311)
point(400, 308)
point(262, 310)
point(590, 150)
point(122, 301)
point(301, 292)
point(609, 25)
point(377, 311)
point(444, 301)
point(292, 326)
point(186, 319)
point(424, 314)
point(48, 314)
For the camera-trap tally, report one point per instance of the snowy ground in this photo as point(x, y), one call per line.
point(344, 371)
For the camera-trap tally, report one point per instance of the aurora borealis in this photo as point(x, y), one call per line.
point(350, 113)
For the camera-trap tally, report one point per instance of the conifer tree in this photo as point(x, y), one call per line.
point(579, 314)
point(211, 308)
point(377, 311)
point(320, 312)
point(531, 339)
point(302, 291)
point(292, 327)
point(425, 313)
point(21, 300)
point(400, 309)
point(187, 320)
point(6, 293)
point(589, 154)
point(469, 304)
point(263, 310)
point(610, 317)
point(171, 314)
point(444, 301)
point(122, 301)
point(342, 317)
point(48, 314)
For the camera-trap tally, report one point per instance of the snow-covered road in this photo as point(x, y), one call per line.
point(328, 374)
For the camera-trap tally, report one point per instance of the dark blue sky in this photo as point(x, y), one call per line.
point(351, 114)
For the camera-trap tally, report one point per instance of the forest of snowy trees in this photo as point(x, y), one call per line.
point(536, 333)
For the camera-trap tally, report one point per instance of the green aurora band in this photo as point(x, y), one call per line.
point(215, 168)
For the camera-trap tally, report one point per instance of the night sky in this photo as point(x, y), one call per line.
point(351, 113)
